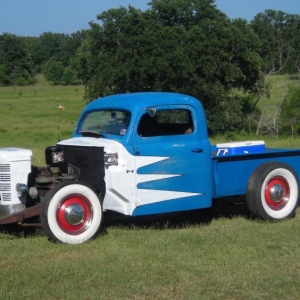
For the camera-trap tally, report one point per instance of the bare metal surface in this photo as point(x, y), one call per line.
point(18, 217)
point(7, 210)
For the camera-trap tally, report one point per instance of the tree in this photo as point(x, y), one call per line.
point(55, 46)
point(4, 80)
point(15, 62)
point(279, 49)
point(279, 40)
point(69, 76)
point(79, 62)
point(290, 113)
point(185, 46)
point(53, 71)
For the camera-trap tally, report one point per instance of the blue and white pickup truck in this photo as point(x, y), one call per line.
point(142, 154)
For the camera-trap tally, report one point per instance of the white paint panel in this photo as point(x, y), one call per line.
point(142, 161)
point(151, 177)
point(154, 196)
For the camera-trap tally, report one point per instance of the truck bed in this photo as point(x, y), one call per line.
point(231, 172)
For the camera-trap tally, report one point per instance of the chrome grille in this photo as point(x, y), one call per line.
point(4, 168)
point(4, 177)
point(6, 197)
point(4, 187)
point(5, 184)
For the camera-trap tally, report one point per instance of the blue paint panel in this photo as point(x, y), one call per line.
point(180, 184)
point(186, 155)
point(231, 173)
point(182, 204)
point(179, 165)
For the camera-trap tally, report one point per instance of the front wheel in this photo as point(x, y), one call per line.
point(272, 192)
point(71, 213)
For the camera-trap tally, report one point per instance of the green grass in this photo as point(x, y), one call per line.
point(30, 116)
point(279, 86)
point(221, 258)
point(220, 253)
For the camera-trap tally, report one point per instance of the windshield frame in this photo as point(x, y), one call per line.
point(105, 121)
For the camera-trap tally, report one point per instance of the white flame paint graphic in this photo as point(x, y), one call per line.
point(147, 196)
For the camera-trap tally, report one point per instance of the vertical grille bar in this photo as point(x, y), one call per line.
point(5, 182)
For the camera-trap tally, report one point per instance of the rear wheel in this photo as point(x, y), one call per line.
point(71, 213)
point(273, 192)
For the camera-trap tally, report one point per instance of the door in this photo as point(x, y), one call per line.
point(172, 161)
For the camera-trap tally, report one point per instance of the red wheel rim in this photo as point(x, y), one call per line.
point(277, 193)
point(74, 214)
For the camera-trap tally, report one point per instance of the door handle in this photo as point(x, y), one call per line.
point(197, 150)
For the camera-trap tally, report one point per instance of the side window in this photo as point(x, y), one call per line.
point(166, 122)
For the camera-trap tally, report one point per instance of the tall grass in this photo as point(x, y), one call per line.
point(218, 253)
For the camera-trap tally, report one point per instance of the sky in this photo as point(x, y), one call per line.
point(34, 17)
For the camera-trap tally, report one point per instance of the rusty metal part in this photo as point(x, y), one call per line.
point(44, 176)
point(21, 215)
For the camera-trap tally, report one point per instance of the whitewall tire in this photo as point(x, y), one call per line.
point(71, 213)
point(273, 191)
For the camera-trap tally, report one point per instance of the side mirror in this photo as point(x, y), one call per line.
point(151, 111)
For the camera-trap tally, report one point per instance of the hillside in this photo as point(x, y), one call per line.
point(30, 116)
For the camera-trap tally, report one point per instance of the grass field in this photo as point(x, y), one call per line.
point(279, 88)
point(219, 253)
point(30, 116)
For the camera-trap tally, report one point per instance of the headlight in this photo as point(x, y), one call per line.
point(110, 159)
point(21, 189)
point(54, 155)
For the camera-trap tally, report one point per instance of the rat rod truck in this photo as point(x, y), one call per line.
point(141, 154)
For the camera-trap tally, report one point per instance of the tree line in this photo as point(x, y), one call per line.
point(186, 46)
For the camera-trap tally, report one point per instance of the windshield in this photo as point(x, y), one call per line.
point(106, 121)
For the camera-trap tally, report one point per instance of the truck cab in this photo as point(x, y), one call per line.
point(157, 151)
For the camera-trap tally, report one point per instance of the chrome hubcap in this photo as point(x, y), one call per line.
point(74, 214)
point(276, 193)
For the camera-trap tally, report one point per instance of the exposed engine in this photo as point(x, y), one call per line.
point(23, 185)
